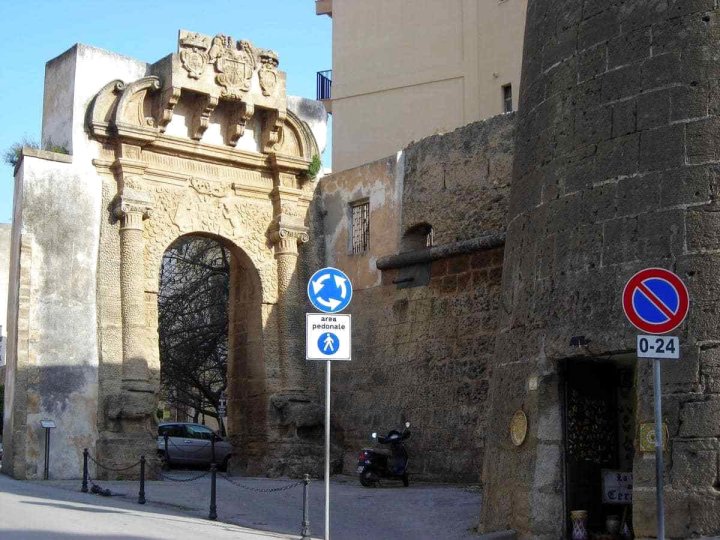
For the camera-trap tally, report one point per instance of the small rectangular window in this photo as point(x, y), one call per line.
point(507, 98)
point(360, 224)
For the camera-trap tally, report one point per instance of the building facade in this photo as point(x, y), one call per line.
point(407, 69)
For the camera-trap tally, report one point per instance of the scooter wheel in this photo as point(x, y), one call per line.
point(406, 480)
point(368, 478)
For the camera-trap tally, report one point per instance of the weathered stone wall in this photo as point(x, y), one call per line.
point(5, 230)
point(615, 170)
point(421, 353)
point(52, 365)
point(459, 182)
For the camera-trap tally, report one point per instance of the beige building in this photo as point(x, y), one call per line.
point(407, 69)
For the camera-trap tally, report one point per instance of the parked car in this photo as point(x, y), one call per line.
point(191, 444)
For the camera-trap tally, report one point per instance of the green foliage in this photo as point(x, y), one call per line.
point(11, 156)
point(315, 167)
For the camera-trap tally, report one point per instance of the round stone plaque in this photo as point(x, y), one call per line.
point(518, 427)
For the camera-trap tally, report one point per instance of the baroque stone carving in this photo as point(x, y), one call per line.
point(166, 106)
point(207, 187)
point(238, 121)
point(273, 130)
point(201, 119)
point(268, 71)
point(235, 65)
point(193, 53)
point(132, 207)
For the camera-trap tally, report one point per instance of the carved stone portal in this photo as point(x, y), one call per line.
point(160, 186)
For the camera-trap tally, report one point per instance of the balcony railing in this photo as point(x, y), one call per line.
point(324, 84)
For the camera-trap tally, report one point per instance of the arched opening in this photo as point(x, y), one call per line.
point(193, 330)
point(210, 341)
point(418, 236)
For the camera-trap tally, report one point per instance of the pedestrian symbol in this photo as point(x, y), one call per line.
point(328, 343)
point(329, 290)
point(327, 336)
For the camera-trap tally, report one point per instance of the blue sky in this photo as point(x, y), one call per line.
point(37, 30)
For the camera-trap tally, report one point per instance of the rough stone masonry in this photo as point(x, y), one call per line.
point(616, 169)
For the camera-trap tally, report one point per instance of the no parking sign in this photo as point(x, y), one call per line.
point(655, 301)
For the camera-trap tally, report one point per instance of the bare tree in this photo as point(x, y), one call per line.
point(193, 324)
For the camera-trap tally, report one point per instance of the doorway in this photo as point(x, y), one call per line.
point(599, 427)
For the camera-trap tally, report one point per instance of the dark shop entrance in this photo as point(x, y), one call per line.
point(599, 427)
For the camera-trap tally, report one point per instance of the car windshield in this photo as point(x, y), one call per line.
point(199, 432)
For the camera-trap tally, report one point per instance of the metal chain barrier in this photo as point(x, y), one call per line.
point(305, 532)
point(262, 490)
point(111, 468)
point(191, 479)
point(106, 492)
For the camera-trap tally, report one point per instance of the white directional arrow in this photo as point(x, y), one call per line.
point(332, 303)
point(340, 284)
point(318, 283)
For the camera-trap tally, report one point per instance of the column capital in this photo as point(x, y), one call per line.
point(132, 206)
point(286, 239)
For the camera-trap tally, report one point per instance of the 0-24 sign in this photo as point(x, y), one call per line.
point(658, 347)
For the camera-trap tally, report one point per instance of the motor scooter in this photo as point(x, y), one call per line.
point(390, 463)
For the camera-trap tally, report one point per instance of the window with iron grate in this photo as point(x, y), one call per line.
point(360, 224)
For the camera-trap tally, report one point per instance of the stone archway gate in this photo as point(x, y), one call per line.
point(201, 142)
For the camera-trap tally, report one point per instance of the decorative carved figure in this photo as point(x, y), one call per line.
point(268, 71)
point(201, 118)
point(193, 53)
point(207, 187)
point(239, 119)
point(235, 66)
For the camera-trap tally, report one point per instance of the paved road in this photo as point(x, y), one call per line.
point(37, 511)
point(56, 510)
point(422, 511)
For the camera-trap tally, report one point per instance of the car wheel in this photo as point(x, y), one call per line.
point(368, 478)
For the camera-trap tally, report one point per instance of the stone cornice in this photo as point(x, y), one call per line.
point(420, 256)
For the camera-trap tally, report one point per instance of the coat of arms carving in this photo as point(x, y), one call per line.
point(268, 71)
point(193, 53)
point(235, 64)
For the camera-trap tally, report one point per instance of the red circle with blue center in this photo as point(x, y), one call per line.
point(655, 300)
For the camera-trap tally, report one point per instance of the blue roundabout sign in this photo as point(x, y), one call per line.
point(329, 290)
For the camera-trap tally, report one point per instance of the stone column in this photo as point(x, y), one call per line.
point(133, 207)
point(289, 304)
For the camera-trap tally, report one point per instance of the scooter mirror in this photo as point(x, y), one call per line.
point(374, 435)
point(407, 424)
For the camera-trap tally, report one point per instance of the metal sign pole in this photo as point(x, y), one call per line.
point(47, 454)
point(659, 465)
point(327, 451)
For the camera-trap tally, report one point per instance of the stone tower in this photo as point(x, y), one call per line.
point(616, 169)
